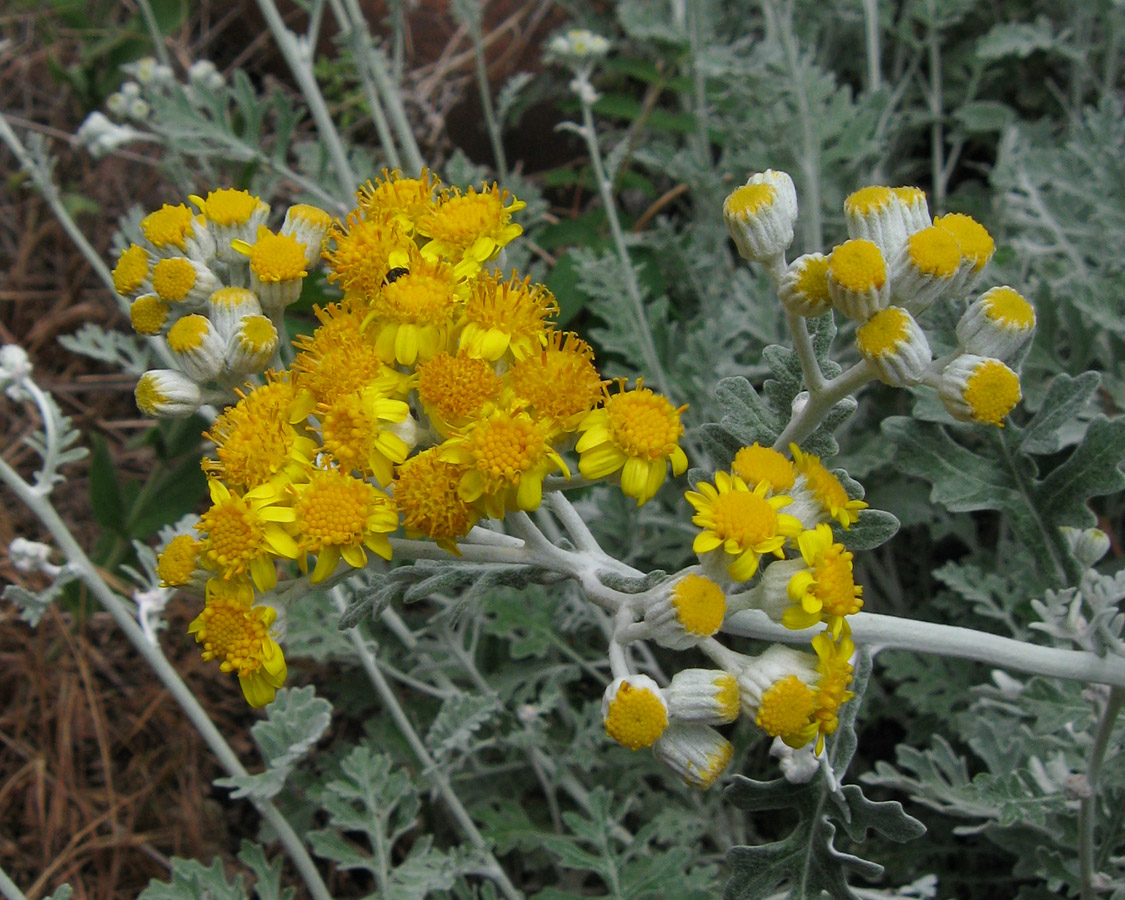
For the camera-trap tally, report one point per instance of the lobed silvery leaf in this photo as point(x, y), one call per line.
point(296, 720)
point(461, 716)
point(194, 881)
point(268, 874)
point(34, 604)
point(127, 352)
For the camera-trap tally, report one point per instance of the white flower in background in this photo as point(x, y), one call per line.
point(99, 135)
point(31, 556)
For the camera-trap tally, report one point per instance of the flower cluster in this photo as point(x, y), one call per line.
point(212, 284)
point(897, 262)
point(435, 393)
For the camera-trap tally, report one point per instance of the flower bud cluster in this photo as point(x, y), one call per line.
point(211, 284)
point(895, 265)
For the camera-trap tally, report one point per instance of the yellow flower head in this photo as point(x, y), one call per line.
point(979, 389)
point(857, 278)
point(237, 634)
point(337, 359)
point(257, 440)
point(636, 432)
point(338, 516)
point(230, 206)
point(559, 382)
point(634, 712)
point(786, 711)
point(977, 245)
point(505, 317)
point(169, 226)
point(149, 314)
point(361, 258)
point(996, 324)
point(506, 455)
point(755, 464)
point(411, 316)
point(469, 229)
point(407, 199)
point(354, 430)
point(426, 491)
point(696, 753)
point(826, 488)
point(243, 534)
point(454, 390)
point(131, 270)
point(835, 671)
point(700, 605)
point(803, 287)
point(178, 561)
point(825, 591)
point(743, 523)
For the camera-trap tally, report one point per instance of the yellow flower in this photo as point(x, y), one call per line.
point(354, 430)
point(337, 360)
point(803, 287)
point(635, 432)
point(744, 524)
point(697, 753)
point(257, 440)
point(232, 215)
point(243, 534)
point(826, 488)
point(178, 561)
point(825, 591)
point(338, 516)
point(426, 491)
point(407, 199)
point(131, 270)
point(503, 317)
point(454, 390)
point(506, 454)
point(559, 382)
point(470, 229)
point(277, 267)
point(411, 317)
point(835, 674)
point(691, 611)
point(169, 226)
point(361, 257)
point(979, 389)
point(634, 711)
point(237, 634)
point(755, 464)
point(148, 314)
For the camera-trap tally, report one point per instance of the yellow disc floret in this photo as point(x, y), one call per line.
point(426, 491)
point(360, 259)
point(275, 258)
point(755, 464)
point(506, 317)
point(173, 279)
point(559, 382)
point(169, 225)
point(786, 711)
point(1007, 308)
point(178, 561)
point(241, 534)
point(229, 206)
point(469, 229)
point(700, 606)
point(148, 314)
point(858, 266)
point(188, 333)
point(455, 389)
point(338, 516)
point(884, 333)
point(750, 199)
point(635, 715)
point(131, 269)
point(977, 245)
point(935, 252)
point(872, 199)
point(992, 392)
point(826, 590)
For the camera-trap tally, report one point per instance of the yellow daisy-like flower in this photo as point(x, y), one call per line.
point(337, 516)
point(407, 199)
point(469, 229)
point(337, 360)
point(361, 258)
point(559, 382)
point(169, 226)
point(835, 671)
point(411, 317)
point(354, 430)
point(454, 390)
point(636, 432)
point(243, 534)
point(755, 464)
point(426, 491)
point(505, 317)
point(178, 561)
point(743, 523)
point(237, 634)
point(634, 712)
point(786, 711)
point(261, 439)
point(826, 488)
point(506, 455)
point(825, 591)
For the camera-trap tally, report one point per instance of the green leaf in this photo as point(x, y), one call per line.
point(192, 881)
point(268, 884)
point(1092, 470)
point(458, 720)
point(105, 490)
point(1066, 398)
point(873, 529)
point(984, 115)
point(297, 719)
point(1019, 39)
